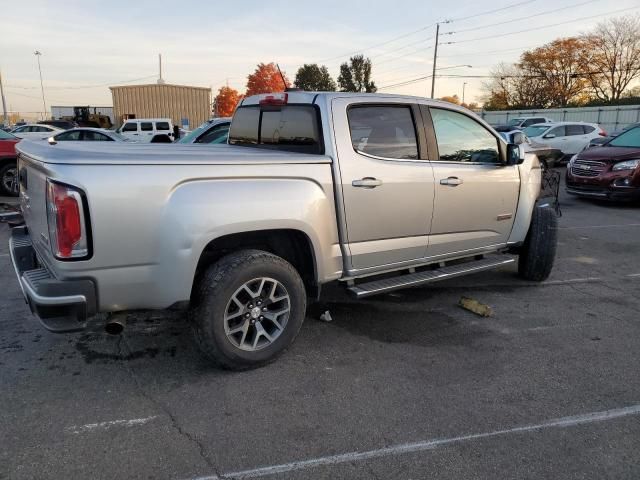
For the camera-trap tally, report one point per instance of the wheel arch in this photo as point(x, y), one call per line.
point(293, 245)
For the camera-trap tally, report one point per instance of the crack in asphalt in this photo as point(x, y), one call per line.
point(174, 421)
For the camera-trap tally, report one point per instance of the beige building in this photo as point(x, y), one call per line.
point(162, 100)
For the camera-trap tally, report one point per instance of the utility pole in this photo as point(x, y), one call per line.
point(463, 85)
point(435, 59)
point(44, 104)
point(4, 103)
point(160, 79)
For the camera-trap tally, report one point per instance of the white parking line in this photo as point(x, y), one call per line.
point(600, 226)
point(89, 427)
point(633, 275)
point(425, 445)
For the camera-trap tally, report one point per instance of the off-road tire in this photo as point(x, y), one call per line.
point(539, 250)
point(215, 288)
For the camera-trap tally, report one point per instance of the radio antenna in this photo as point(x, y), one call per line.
point(282, 77)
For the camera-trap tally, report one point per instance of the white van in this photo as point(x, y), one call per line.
point(146, 130)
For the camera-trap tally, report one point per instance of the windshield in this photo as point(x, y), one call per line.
point(194, 133)
point(535, 130)
point(514, 122)
point(630, 138)
point(7, 136)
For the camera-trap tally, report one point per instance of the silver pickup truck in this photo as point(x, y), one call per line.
point(377, 192)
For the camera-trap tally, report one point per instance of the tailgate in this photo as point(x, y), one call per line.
point(33, 203)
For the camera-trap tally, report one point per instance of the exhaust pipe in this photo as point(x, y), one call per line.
point(115, 324)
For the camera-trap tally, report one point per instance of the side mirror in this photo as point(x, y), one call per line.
point(52, 141)
point(550, 135)
point(515, 154)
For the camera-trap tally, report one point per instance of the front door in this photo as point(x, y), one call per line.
point(476, 194)
point(387, 184)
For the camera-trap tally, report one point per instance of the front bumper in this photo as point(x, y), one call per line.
point(61, 305)
point(604, 193)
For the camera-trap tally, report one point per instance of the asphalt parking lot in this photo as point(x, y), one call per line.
point(405, 386)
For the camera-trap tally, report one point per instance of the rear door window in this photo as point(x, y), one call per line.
point(146, 126)
point(72, 135)
point(383, 131)
point(92, 136)
point(574, 130)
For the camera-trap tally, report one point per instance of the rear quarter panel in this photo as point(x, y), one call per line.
point(150, 223)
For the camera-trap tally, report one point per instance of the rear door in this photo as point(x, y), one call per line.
point(387, 184)
point(577, 139)
point(476, 194)
point(146, 131)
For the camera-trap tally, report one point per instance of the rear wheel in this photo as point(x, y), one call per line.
point(9, 179)
point(248, 307)
point(539, 250)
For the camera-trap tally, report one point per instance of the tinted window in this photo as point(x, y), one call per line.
point(146, 126)
point(217, 134)
point(292, 128)
point(532, 121)
point(72, 135)
point(162, 126)
point(383, 131)
point(574, 130)
point(588, 128)
point(462, 139)
point(130, 127)
point(95, 136)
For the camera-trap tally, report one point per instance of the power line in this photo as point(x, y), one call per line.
point(489, 52)
point(524, 18)
point(600, 15)
point(88, 86)
point(459, 19)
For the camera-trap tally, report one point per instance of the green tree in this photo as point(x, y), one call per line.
point(311, 77)
point(355, 76)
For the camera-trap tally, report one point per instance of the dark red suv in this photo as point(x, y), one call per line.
point(8, 166)
point(611, 171)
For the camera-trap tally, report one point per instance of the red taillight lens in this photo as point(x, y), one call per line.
point(602, 133)
point(67, 231)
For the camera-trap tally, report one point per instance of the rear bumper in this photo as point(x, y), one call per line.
point(61, 305)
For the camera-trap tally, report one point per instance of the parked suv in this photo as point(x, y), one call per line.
point(148, 130)
point(569, 137)
point(608, 172)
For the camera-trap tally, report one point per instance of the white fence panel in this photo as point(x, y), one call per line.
point(610, 118)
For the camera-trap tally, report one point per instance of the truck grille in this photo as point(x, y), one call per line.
point(587, 168)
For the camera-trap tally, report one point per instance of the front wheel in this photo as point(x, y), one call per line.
point(247, 308)
point(539, 250)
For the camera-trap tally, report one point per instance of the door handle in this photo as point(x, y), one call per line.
point(367, 182)
point(451, 181)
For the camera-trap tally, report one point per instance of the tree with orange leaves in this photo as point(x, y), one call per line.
point(225, 102)
point(266, 79)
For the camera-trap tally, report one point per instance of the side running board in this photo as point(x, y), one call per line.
point(362, 290)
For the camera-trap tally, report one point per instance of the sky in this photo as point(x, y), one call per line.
point(87, 46)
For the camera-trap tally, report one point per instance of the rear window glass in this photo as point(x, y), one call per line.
point(292, 128)
point(162, 126)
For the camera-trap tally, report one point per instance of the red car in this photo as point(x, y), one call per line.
point(611, 171)
point(8, 165)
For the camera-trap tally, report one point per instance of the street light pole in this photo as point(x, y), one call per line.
point(4, 103)
point(44, 104)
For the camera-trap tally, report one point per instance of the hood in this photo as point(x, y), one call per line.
point(609, 154)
